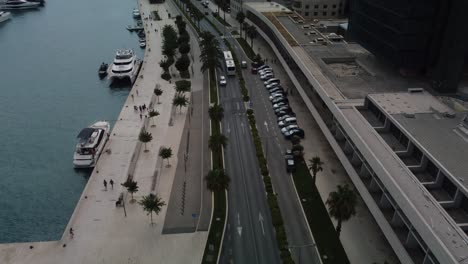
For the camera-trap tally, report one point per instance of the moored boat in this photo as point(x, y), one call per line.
point(18, 5)
point(91, 144)
point(103, 69)
point(125, 66)
point(4, 16)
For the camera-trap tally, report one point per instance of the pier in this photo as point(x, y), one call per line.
point(104, 233)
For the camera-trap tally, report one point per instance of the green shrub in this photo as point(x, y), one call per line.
point(166, 76)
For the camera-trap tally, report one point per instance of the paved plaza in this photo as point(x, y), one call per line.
point(102, 232)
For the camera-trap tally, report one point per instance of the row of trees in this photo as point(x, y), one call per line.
point(249, 30)
point(182, 64)
point(342, 202)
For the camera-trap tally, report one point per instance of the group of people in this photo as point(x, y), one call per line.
point(111, 182)
point(141, 109)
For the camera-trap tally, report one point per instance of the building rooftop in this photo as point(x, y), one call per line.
point(427, 120)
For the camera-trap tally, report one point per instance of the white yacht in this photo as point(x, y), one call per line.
point(125, 66)
point(18, 5)
point(136, 13)
point(4, 16)
point(91, 144)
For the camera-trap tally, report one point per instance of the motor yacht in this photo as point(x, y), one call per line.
point(4, 16)
point(18, 5)
point(125, 66)
point(91, 141)
point(136, 13)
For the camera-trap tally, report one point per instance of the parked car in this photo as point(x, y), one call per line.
point(276, 95)
point(222, 80)
point(267, 76)
point(244, 64)
point(281, 118)
point(279, 105)
point(265, 70)
point(283, 112)
point(294, 132)
point(287, 128)
point(279, 100)
point(270, 81)
point(287, 122)
point(285, 108)
point(290, 163)
point(263, 67)
point(277, 89)
point(273, 85)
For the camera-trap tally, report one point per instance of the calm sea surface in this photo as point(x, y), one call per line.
point(49, 91)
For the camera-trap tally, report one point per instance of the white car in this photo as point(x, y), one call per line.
point(263, 67)
point(281, 118)
point(276, 95)
point(266, 76)
point(286, 129)
point(280, 104)
point(270, 81)
point(222, 80)
point(272, 86)
point(265, 70)
point(287, 121)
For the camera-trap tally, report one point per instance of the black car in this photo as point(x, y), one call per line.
point(295, 132)
point(290, 163)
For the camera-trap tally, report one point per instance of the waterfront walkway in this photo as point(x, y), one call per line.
point(102, 233)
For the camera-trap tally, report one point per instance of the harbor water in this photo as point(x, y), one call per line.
point(49, 91)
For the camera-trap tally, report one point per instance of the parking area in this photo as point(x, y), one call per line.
point(373, 247)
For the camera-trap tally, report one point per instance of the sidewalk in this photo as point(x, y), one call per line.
point(373, 246)
point(102, 233)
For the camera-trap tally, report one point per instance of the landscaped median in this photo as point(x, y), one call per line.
point(325, 236)
point(218, 219)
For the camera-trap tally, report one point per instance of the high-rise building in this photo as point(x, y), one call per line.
point(310, 9)
point(418, 36)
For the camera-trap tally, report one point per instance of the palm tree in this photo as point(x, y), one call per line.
point(158, 92)
point(132, 187)
point(217, 180)
point(153, 113)
point(180, 101)
point(152, 203)
point(298, 150)
point(240, 17)
point(315, 165)
point(211, 55)
point(245, 26)
point(216, 141)
point(166, 153)
point(216, 112)
point(295, 140)
point(145, 137)
point(183, 86)
point(252, 32)
point(342, 205)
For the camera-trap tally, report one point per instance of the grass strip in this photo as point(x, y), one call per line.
point(325, 235)
point(247, 49)
point(224, 23)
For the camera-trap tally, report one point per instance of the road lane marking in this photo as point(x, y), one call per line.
point(260, 218)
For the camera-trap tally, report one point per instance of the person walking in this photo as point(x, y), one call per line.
point(112, 184)
point(141, 117)
point(137, 90)
point(105, 184)
point(72, 233)
point(133, 99)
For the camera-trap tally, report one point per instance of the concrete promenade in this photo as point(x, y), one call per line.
point(102, 233)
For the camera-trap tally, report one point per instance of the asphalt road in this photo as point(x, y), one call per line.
point(299, 238)
point(249, 234)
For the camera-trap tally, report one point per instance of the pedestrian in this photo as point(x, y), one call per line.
point(135, 107)
point(137, 92)
point(133, 98)
point(72, 233)
point(144, 106)
point(112, 184)
point(105, 185)
point(139, 107)
point(141, 117)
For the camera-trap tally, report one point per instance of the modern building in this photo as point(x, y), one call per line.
point(405, 151)
point(311, 9)
point(417, 37)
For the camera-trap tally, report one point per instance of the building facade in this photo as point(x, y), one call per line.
point(404, 152)
point(324, 9)
point(418, 36)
